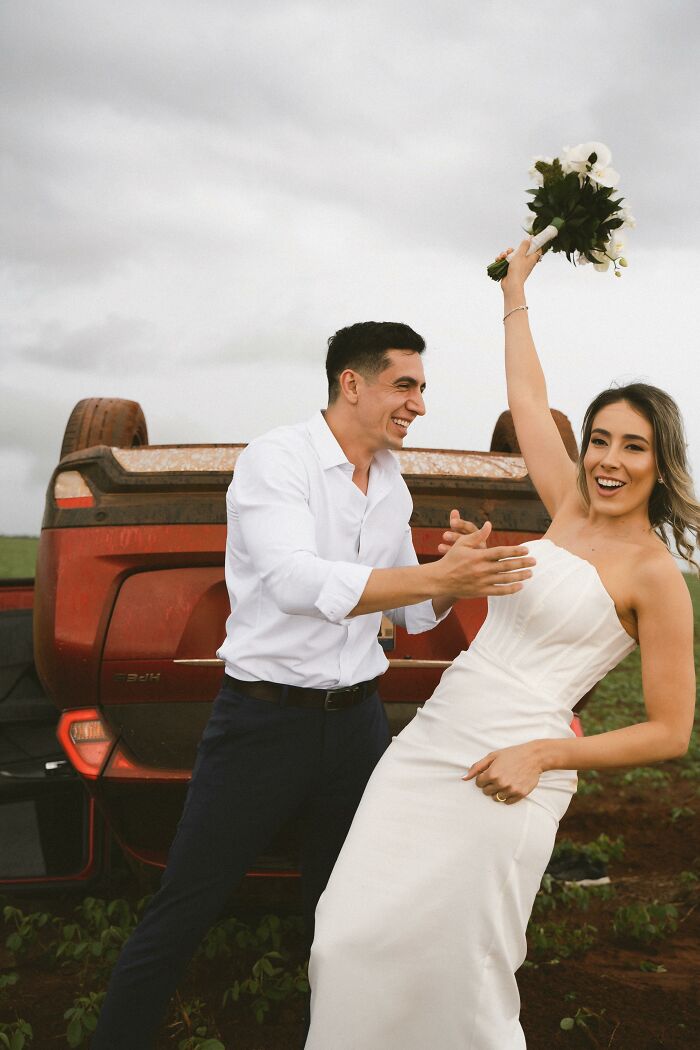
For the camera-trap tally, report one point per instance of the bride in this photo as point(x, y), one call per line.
point(422, 926)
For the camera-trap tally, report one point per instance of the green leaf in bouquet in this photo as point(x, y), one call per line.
point(576, 220)
point(551, 173)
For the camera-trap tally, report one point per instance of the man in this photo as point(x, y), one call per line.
point(318, 546)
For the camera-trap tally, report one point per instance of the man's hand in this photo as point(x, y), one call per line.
point(508, 775)
point(470, 569)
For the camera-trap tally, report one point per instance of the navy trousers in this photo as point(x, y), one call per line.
point(257, 765)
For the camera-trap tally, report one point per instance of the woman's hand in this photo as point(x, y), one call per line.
point(519, 268)
point(510, 774)
point(458, 527)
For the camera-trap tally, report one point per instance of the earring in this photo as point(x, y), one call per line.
point(659, 481)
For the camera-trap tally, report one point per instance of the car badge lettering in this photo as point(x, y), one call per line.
point(137, 679)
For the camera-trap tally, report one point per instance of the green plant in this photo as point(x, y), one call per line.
point(7, 980)
point(557, 940)
point(15, 1035)
point(99, 938)
point(26, 929)
point(229, 933)
point(589, 784)
point(193, 1024)
point(82, 1017)
point(646, 774)
point(268, 983)
point(647, 966)
point(681, 813)
point(554, 893)
point(581, 1019)
point(200, 1042)
point(603, 849)
point(645, 923)
point(691, 766)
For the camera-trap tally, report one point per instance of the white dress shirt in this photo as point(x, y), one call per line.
point(302, 541)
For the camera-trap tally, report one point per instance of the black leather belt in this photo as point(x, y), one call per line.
point(298, 696)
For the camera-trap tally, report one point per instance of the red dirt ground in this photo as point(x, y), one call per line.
point(626, 1008)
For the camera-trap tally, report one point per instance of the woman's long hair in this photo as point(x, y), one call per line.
point(672, 504)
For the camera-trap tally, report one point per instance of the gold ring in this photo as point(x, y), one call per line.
point(500, 797)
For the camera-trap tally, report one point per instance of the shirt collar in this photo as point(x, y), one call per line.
point(331, 454)
point(322, 438)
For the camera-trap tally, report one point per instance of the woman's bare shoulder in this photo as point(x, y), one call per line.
point(657, 575)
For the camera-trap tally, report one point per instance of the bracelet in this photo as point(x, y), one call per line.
point(513, 311)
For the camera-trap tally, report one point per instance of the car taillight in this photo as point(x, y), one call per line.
point(120, 767)
point(71, 490)
point(86, 740)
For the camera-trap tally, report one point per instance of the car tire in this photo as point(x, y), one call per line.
point(110, 421)
point(504, 438)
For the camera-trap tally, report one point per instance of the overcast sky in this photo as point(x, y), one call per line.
point(197, 193)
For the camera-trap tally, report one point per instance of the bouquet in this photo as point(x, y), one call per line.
point(574, 209)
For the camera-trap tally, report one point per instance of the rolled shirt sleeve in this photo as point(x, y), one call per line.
point(413, 618)
point(342, 590)
point(273, 516)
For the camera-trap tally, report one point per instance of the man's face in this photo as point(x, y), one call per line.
point(390, 401)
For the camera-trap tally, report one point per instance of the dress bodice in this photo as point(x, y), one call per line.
point(538, 652)
point(560, 634)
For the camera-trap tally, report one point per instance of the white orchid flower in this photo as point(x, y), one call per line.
point(599, 171)
point(627, 217)
point(607, 177)
point(615, 247)
point(601, 260)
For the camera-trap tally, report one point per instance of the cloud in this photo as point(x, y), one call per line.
point(203, 190)
point(109, 345)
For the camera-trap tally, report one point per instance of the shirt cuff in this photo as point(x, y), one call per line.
point(422, 617)
point(342, 590)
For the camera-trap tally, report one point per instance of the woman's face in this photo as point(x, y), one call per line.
point(620, 461)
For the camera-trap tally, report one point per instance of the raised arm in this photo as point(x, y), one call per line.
point(552, 472)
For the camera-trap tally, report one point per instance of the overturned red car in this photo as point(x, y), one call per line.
point(130, 603)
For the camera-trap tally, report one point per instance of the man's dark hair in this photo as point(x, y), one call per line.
point(363, 347)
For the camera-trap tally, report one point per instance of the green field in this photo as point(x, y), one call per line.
point(17, 556)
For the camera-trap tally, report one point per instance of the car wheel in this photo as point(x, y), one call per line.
point(104, 421)
point(504, 438)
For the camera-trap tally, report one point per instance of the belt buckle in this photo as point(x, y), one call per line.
point(328, 704)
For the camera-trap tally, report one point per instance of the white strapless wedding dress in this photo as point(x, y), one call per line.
point(422, 926)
